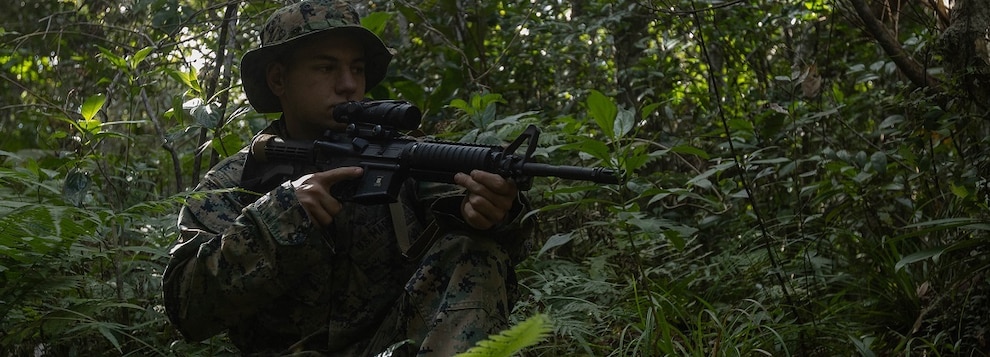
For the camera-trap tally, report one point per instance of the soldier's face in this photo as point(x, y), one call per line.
point(324, 72)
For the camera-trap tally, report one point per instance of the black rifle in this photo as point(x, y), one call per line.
point(372, 141)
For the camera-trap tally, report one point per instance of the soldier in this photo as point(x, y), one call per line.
point(292, 270)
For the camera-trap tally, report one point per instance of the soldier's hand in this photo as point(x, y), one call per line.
point(489, 198)
point(313, 192)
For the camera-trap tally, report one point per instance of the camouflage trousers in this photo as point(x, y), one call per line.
point(458, 295)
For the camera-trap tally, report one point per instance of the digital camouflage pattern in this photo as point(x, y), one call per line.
point(258, 268)
point(290, 22)
point(300, 21)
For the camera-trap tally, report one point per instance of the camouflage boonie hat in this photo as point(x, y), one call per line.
point(303, 20)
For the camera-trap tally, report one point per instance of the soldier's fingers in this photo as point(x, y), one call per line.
point(474, 218)
point(313, 204)
point(319, 216)
point(313, 193)
point(495, 183)
point(331, 177)
point(331, 207)
point(472, 186)
point(491, 211)
point(501, 197)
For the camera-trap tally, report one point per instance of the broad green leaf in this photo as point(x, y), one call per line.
point(109, 335)
point(603, 110)
point(76, 187)
point(377, 21)
point(486, 117)
point(227, 145)
point(691, 150)
point(206, 114)
point(92, 105)
point(675, 238)
point(649, 109)
point(959, 190)
point(118, 61)
point(410, 90)
point(555, 241)
point(189, 79)
point(91, 126)
point(462, 105)
point(634, 161)
point(595, 148)
point(139, 56)
point(625, 121)
point(917, 257)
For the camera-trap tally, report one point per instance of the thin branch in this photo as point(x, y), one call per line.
point(689, 12)
point(225, 29)
point(914, 71)
point(166, 143)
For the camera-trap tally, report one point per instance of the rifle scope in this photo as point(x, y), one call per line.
point(396, 114)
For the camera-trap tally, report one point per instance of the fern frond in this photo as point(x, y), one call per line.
point(508, 342)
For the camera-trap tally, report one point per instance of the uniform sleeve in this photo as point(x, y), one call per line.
point(232, 257)
point(515, 233)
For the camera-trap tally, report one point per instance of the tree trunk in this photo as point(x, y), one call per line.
point(965, 48)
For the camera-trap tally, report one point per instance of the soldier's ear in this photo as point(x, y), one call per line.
point(275, 76)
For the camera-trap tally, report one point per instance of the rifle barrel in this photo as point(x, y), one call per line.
point(596, 174)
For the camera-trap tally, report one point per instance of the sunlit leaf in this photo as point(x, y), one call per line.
point(511, 341)
point(140, 55)
point(603, 110)
point(92, 105)
point(377, 21)
point(555, 241)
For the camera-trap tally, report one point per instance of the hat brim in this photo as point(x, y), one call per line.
point(254, 65)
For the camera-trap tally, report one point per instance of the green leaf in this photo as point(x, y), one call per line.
point(595, 148)
point(959, 190)
point(92, 106)
point(118, 61)
point(206, 114)
point(513, 340)
point(555, 241)
point(140, 56)
point(462, 105)
point(410, 90)
point(625, 121)
point(91, 126)
point(189, 79)
point(76, 187)
point(649, 109)
point(228, 144)
point(377, 21)
point(603, 110)
point(108, 334)
point(675, 238)
point(487, 116)
point(691, 150)
point(917, 257)
point(879, 162)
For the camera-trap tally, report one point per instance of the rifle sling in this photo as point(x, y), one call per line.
point(400, 226)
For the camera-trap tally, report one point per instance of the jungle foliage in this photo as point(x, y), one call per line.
point(805, 177)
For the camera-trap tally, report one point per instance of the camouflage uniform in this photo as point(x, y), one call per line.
point(256, 266)
point(259, 268)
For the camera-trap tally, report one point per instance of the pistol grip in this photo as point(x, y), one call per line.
point(376, 186)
